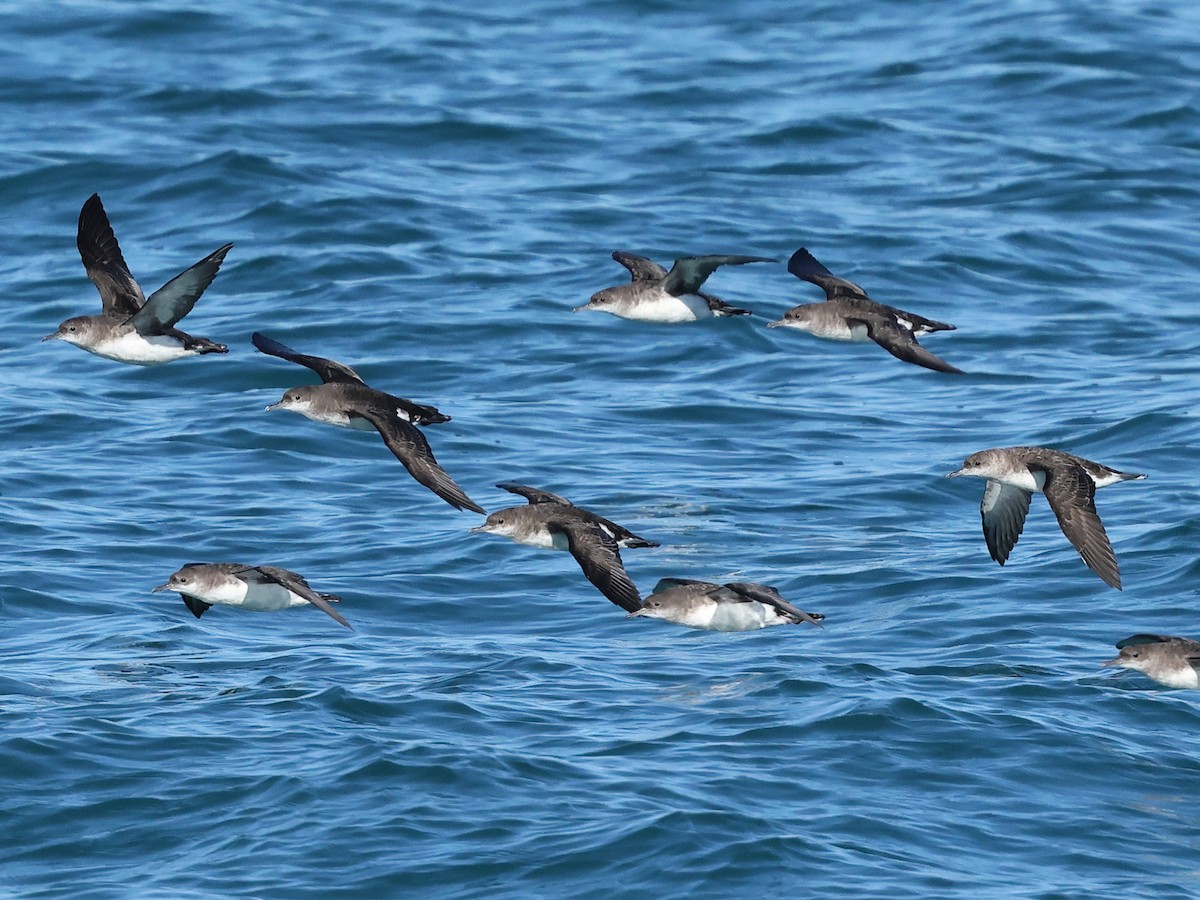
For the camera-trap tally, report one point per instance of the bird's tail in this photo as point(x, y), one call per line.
point(204, 345)
point(814, 618)
point(728, 310)
point(427, 415)
point(635, 543)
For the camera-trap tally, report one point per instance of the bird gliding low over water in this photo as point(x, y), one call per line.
point(132, 328)
point(553, 522)
point(1015, 474)
point(737, 606)
point(848, 314)
point(256, 588)
point(656, 295)
point(1173, 661)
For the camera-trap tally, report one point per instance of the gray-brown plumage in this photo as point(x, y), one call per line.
point(545, 506)
point(647, 270)
point(1173, 661)
point(258, 588)
point(848, 314)
point(553, 522)
point(656, 295)
point(343, 399)
point(1069, 482)
point(131, 327)
point(342, 392)
point(736, 606)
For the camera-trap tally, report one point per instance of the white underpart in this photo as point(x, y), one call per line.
point(714, 616)
point(694, 615)
point(744, 617)
point(1020, 477)
point(328, 417)
point(1180, 678)
point(1031, 480)
point(257, 597)
point(1183, 677)
point(138, 350)
point(664, 307)
point(501, 530)
point(837, 330)
point(542, 538)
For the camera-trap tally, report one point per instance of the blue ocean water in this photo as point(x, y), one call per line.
point(424, 191)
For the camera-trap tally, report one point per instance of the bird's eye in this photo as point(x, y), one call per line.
point(499, 521)
point(656, 603)
point(72, 329)
point(182, 580)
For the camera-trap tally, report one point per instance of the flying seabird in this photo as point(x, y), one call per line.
point(1173, 661)
point(354, 405)
point(1069, 482)
point(257, 588)
point(341, 392)
point(848, 314)
point(553, 522)
point(528, 524)
point(407, 444)
point(131, 327)
point(656, 295)
point(737, 606)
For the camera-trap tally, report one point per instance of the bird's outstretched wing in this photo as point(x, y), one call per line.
point(689, 272)
point(901, 343)
point(297, 585)
point(329, 370)
point(1003, 510)
point(175, 299)
point(770, 597)
point(532, 494)
point(412, 449)
point(600, 559)
point(640, 268)
point(194, 604)
point(805, 267)
point(120, 294)
point(668, 583)
point(1072, 495)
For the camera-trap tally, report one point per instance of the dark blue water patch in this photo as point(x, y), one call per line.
point(177, 100)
